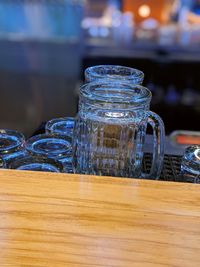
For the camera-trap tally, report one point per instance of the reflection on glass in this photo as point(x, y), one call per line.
point(52, 146)
point(36, 163)
point(63, 126)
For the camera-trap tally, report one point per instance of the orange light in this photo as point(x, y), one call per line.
point(144, 11)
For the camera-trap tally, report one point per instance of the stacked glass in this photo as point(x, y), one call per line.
point(63, 127)
point(106, 138)
point(14, 154)
point(52, 146)
point(110, 128)
point(50, 152)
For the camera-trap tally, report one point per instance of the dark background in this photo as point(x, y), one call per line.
point(42, 65)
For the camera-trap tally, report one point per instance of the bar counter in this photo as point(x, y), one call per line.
point(51, 220)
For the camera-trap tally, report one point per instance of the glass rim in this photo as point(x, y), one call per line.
point(16, 145)
point(144, 95)
point(133, 73)
point(29, 143)
point(52, 122)
point(13, 133)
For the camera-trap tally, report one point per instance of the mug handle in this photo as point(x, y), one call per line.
point(158, 146)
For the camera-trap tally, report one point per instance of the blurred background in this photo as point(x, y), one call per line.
point(45, 45)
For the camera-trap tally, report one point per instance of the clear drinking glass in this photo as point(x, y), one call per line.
point(36, 163)
point(114, 73)
point(190, 165)
point(11, 144)
point(110, 130)
point(60, 126)
point(53, 146)
point(14, 156)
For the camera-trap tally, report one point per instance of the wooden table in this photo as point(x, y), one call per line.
point(80, 221)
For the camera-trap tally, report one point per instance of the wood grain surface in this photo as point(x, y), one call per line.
point(63, 220)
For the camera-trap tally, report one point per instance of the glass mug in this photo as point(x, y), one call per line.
point(110, 131)
point(113, 73)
